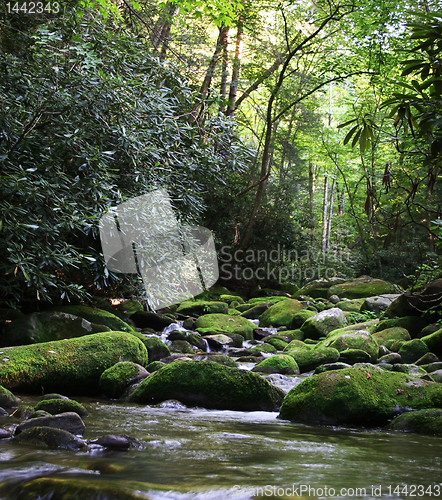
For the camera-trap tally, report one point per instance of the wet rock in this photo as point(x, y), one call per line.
point(280, 314)
point(255, 311)
point(56, 406)
point(98, 316)
point(218, 342)
point(54, 395)
point(410, 369)
point(412, 350)
point(300, 317)
point(149, 319)
point(70, 366)
point(361, 395)
point(353, 356)
point(432, 367)
point(193, 338)
point(279, 363)
point(50, 437)
point(260, 334)
point(7, 399)
point(181, 346)
point(323, 323)
point(257, 350)
point(209, 385)
point(427, 358)
point(69, 421)
point(5, 434)
point(420, 421)
point(116, 441)
point(379, 303)
point(334, 299)
point(3, 412)
point(216, 358)
point(114, 381)
point(389, 336)
point(154, 366)
point(210, 324)
point(156, 349)
point(437, 376)
point(392, 358)
point(328, 367)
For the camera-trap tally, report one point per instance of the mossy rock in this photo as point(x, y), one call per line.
point(360, 340)
point(197, 308)
point(279, 363)
point(300, 317)
point(181, 346)
point(389, 336)
point(318, 288)
point(49, 437)
point(434, 342)
point(244, 307)
point(411, 350)
point(420, 421)
point(209, 385)
point(272, 300)
point(223, 323)
point(350, 305)
point(310, 359)
point(98, 316)
point(427, 358)
point(7, 399)
point(413, 324)
point(361, 395)
point(57, 406)
point(329, 367)
point(256, 310)
point(297, 344)
point(114, 381)
point(409, 369)
point(156, 348)
point(280, 314)
point(260, 349)
point(216, 358)
point(71, 366)
point(230, 298)
point(276, 342)
point(321, 324)
point(192, 338)
point(126, 308)
point(68, 421)
point(47, 326)
point(155, 366)
point(353, 356)
point(362, 288)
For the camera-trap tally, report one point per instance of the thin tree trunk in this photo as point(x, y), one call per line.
point(161, 30)
point(332, 199)
point(224, 72)
point(220, 44)
point(236, 70)
point(324, 217)
point(311, 195)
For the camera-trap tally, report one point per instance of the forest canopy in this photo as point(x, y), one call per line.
point(313, 128)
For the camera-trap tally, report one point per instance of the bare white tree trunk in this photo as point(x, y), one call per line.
point(324, 217)
point(332, 199)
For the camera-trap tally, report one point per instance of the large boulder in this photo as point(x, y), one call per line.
point(156, 348)
point(420, 421)
point(68, 366)
point(353, 305)
point(148, 319)
point(434, 342)
point(69, 421)
point(412, 350)
point(300, 317)
point(389, 336)
point(114, 381)
point(7, 399)
point(318, 288)
point(280, 314)
point(413, 324)
point(361, 395)
point(256, 310)
point(210, 385)
point(223, 323)
point(97, 316)
point(362, 288)
point(309, 359)
point(379, 303)
point(321, 324)
point(360, 340)
point(49, 437)
point(279, 363)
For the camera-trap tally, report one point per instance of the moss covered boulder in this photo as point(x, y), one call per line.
point(47, 326)
point(279, 363)
point(362, 288)
point(7, 399)
point(280, 314)
point(300, 317)
point(353, 305)
point(256, 310)
point(360, 340)
point(71, 366)
point(321, 324)
point(68, 421)
point(223, 323)
point(198, 307)
point(57, 406)
point(276, 342)
point(50, 437)
point(389, 336)
point(156, 348)
point(115, 380)
point(420, 421)
point(434, 342)
point(412, 350)
point(361, 395)
point(309, 359)
point(209, 385)
point(98, 316)
point(413, 324)
point(318, 288)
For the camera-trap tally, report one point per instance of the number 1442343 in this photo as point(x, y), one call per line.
point(33, 7)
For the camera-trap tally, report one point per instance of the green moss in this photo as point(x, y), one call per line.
point(359, 340)
point(7, 399)
point(98, 316)
point(413, 324)
point(352, 356)
point(297, 344)
point(277, 343)
point(57, 406)
point(280, 314)
point(210, 385)
point(274, 299)
point(421, 421)
point(223, 323)
point(259, 349)
point(279, 363)
point(389, 336)
point(156, 348)
point(434, 342)
point(117, 378)
point(300, 317)
point(155, 366)
point(412, 350)
point(362, 395)
point(191, 308)
point(68, 366)
point(350, 305)
point(231, 298)
point(309, 359)
point(361, 288)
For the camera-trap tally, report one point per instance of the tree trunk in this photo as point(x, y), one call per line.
point(220, 44)
point(161, 30)
point(324, 217)
point(332, 199)
point(224, 72)
point(311, 195)
point(236, 70)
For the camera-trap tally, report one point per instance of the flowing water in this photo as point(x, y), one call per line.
point(211, 454)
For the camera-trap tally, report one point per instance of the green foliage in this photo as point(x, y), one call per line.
point(355, 318)
point(90, 119)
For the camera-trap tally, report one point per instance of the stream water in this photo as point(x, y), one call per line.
point(209, 454)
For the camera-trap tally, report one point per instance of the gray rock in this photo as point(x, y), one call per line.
point(50, 437)
point(379, 303)
point(334, 299)
point(323, 323)
point(69, 421)
point(116, 441)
